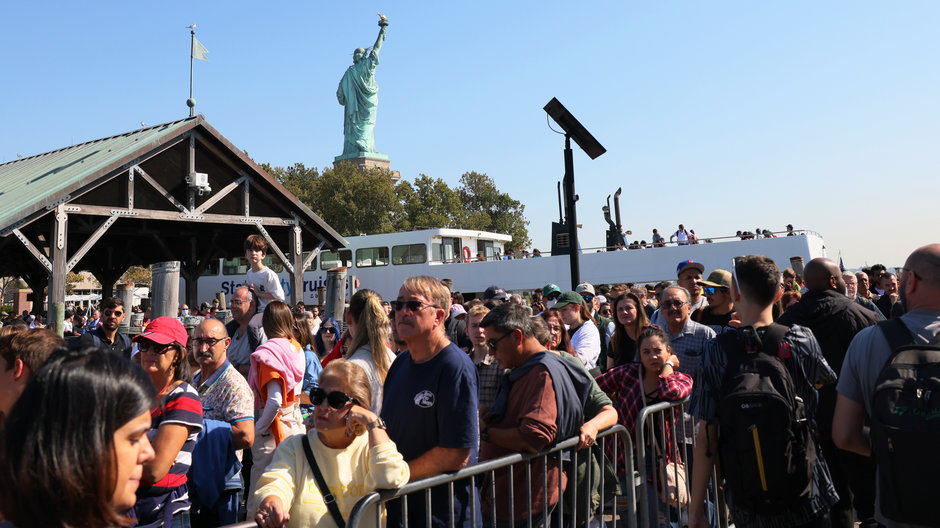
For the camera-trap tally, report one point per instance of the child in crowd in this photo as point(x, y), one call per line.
point(261, 279)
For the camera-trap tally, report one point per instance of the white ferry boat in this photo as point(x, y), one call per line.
point(382, 262)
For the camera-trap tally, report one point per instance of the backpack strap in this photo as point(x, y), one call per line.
point(772, 341)
point(328, 497)
point(896, 333)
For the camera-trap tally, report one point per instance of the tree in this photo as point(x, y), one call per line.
point(298, 179)
point(139, 275)
point(355, 201)
point(429, 202)
point(489, 209)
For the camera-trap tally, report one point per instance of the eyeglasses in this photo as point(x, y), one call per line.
point(492, 344)
point(672, 304)
point(902, 274)
point(146, 345)
point(207, 341)
point(606, 311)
point(115, 313)
point(412, 305)
point(710, 290)
point(335, 399)
point(588, 297)
point(236, 302)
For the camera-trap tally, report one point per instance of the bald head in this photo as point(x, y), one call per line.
point(925, 261)
point(921, 285)
point(211, 327)
point(823, 274)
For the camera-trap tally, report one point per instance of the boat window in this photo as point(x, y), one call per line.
point(313, 263)
point(409, 254)
point(486, 247)
point(235, 266)
point(448, 250)
point(274, 263)
point(370, 257)
point(332, 259)
point(212, 269)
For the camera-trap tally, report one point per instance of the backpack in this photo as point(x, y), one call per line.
point(905, 427)
point(766, 444)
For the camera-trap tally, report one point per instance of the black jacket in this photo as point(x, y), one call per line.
point(834, 320)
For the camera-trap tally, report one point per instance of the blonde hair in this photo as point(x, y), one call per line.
point(366, 309)
point(354, 378)
point(431, 288)
point(478, 310)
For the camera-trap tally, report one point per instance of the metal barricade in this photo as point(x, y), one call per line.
point(664, 443)
point(566, 513)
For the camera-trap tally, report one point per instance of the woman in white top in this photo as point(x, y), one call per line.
point(367, 324)
point(585, 339)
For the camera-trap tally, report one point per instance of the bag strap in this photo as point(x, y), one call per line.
point(328, 497)
point(897, 334)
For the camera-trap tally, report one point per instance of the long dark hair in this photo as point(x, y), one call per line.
point(619, 345)
point(58, 462)
point(318, 339)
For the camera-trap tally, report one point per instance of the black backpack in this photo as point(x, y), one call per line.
point(766, 444)
point(905, 427)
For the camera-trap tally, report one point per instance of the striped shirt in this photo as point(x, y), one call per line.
point(807, 368)
point(180, 407)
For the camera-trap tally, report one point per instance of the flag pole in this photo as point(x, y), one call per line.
point(191, 103)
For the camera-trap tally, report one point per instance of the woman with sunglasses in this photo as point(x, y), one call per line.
point(163, 498)
point(349, 446)
point(629, 322)
point(367, 324)
point(276, 377)
point(76, 442)
point(325, 339)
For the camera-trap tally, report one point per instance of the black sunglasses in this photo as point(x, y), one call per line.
point(335, 399)
point(412, 305)
point(328, 329)
point(144, 345)
point(491, 344)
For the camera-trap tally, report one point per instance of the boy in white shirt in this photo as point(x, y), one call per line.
point(261, 279)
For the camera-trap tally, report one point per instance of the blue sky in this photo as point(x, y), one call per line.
point(719, 115)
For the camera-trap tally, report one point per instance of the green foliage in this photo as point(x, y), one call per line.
point(355, 201)
point(489, 209)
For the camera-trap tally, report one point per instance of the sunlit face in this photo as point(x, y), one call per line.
point(555, 330)
point(328, 334)
point(325, 417)
point(506, 347)
point(131, 450)
point(254, 256)
point(889, 284)
point(570, 314)
point(626, 311)
point(719, 296)
point(653, 353)
point(474, 332)
point(420, 322)
point(851, 286)
point(863, 284)
point(689, 278)
point(113, 317)
point(209, 344)
point(152, 361)
point(675, 306)
point(240, 303)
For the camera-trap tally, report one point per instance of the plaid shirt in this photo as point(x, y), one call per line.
point(624, 385)
point(489, 375)
point(688, 345)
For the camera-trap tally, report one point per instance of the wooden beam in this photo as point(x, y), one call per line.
point(90, 242)
point(59, 248)
point(313, 254)
point(32, 249)
point(130, 189)
point(166, 194)
point(207, 218)
point(221, 194)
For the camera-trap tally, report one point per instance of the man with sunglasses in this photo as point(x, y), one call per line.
point(720, 310)
point(539, 402)
point(106, 335)
point(431, 403)
point(226, 397)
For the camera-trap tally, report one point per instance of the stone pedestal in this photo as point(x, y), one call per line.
point(369, 160)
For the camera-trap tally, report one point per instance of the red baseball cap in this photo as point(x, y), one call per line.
point(163, 331)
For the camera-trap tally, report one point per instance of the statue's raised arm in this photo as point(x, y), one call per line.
point(383, 23)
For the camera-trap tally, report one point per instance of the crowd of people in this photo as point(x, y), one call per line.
point(284, 418)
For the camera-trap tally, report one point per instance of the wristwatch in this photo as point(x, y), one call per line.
point(379, 422)
point(669, 363)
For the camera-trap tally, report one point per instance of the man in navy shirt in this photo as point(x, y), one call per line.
point(430, 403)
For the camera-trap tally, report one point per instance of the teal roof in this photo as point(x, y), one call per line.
point(33, 183)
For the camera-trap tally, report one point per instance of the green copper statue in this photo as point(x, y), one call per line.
point(359, 93)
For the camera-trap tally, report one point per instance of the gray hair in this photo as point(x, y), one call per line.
point(688, 296)
point(508, 317)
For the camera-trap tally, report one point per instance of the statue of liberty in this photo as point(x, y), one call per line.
point(359, 93)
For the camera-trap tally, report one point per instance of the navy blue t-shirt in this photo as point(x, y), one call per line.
point(427, 405)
